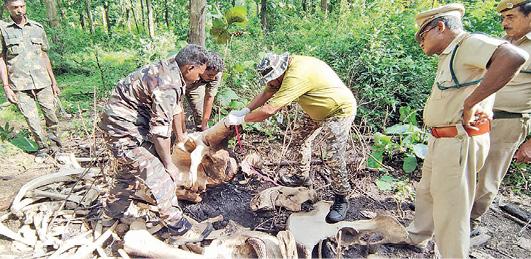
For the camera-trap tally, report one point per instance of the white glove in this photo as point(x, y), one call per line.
point(233, 119)
point(241, 112)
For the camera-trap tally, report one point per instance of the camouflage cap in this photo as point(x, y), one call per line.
point(505, 5)
point(272, 66)
point(422, 19)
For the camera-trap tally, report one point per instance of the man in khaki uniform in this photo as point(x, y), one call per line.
point(27, 74)
point(512, 108)
point(471, 68)
point(200, 94)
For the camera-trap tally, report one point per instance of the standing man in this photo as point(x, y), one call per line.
point(325, 98)
point(200, 95)
point(471, 68)
point(512, 108)
point(27, 74)
point(137, 122)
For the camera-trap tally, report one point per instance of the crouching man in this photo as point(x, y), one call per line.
point(137, 122)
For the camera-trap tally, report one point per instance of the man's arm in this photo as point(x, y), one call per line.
point(208, 102)
point(10, 95)
point(524, 152)
point(261, 113)
point(260, 99)
point(46, 61)
point(504, 64)
point(178, 125)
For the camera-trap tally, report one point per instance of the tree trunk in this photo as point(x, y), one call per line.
point(196, 34)
point(324, 7)
point(82, 20)
point(88, 9)
point(143, 13)
point(151, 22)
point(166, 14)
point(263, 16)
point(134, 16)
point(51, 11)
point(304, 5)
point(106, 16)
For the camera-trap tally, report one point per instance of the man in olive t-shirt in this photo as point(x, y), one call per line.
point(325, 98)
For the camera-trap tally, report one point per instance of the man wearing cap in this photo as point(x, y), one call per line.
point(137, 124)
point(200, 95)
point(512, 108)
point(471, 68)
point(325, 98)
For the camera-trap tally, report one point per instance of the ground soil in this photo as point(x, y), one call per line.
point(232, 199)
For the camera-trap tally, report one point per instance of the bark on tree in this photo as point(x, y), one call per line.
point(324, 6)
point(134, 16)
point(51, 11)
point(143, 13)
point(151, 22)
point(88, 9)
point(62, 11)
point(106, 16)
point(304, 5)
point(166, 14)
point(263, 15)
point(196, 34)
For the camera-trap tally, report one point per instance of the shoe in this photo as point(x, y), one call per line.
point(474, 227)
point(180, 228)
point(338, 210)
point(295, 180)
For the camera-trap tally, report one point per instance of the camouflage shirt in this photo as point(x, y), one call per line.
point(211, 87)
point(22, 48)
point(143, 104)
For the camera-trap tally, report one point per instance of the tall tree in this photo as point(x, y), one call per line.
point(324, 6)
point(150, 21)
point(106, 16)
point(88, 9)
point(196, 34)
point(166, 14)
point(51, 11)
point(263, 15)
point(132, 8)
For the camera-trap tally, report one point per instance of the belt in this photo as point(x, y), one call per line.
point(451, 131)
point(509, 115)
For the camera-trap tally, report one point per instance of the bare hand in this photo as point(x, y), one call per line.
point(181, 138)
point(55, 89)
point(204, 127)
point(475, 116)
point(524, 152)
point(10, 95)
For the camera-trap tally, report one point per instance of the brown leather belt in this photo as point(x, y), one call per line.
point(451, 131)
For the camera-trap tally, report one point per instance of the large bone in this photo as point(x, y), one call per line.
point(61, 176)
point(139, 242)
point(202, 162)
point(298, 223)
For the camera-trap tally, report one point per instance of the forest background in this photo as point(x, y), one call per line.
point(369, 43)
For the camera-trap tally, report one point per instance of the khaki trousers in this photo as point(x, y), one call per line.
point(505, 138)
point(196, 99)
point(445, 193)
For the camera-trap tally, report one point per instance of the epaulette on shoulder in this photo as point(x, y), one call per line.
point(36, 23)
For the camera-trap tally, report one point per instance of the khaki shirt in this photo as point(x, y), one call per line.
point(22, 48)
point(445, 107)
point(516, 95)
point(211, 87)
point(143, 104)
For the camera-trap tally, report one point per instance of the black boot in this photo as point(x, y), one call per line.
point(295, 180)
point(338, 210)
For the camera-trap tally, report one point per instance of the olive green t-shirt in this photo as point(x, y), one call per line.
point(316, 87)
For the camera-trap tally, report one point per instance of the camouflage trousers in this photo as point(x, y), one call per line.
point(195, 99)
point(140, 172)
point(336, 134)
point(27, 105)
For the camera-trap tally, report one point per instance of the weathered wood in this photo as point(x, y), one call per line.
point(516, 211)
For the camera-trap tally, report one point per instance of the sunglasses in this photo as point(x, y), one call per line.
point(423, 34)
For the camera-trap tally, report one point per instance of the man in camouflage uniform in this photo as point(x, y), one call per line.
point(27, 74)
point(512, 110)
point(325, 98)
point(137, 122)
point(200, 95)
